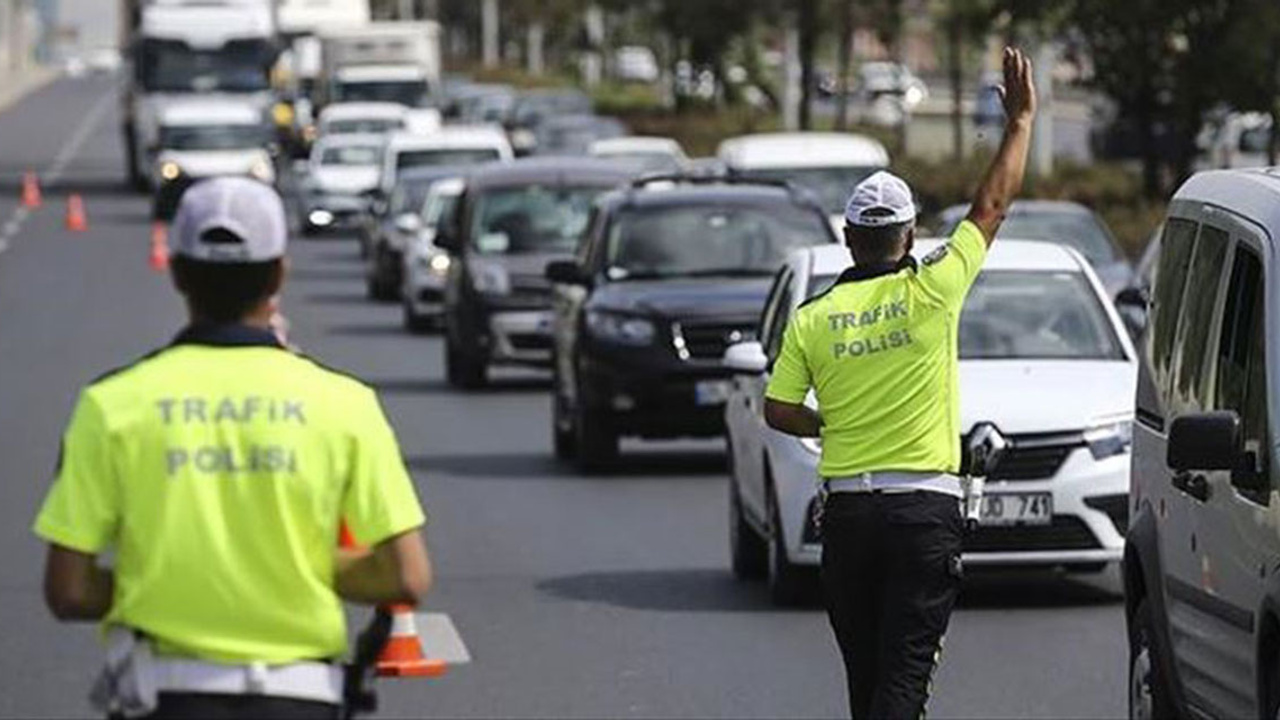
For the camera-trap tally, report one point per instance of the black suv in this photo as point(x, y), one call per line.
point(672, 271)
point(512, 220)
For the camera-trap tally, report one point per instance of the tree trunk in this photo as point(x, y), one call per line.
point(845, 65)
point(955, 41)
point(489, 33)
point(808, 48)
point(535, 38)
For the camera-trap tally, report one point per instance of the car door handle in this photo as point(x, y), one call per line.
point(1197, 485)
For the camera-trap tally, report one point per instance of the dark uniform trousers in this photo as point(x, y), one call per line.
point(190, 706)
point(890, 575)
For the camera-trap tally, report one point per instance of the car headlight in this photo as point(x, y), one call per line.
point(438, 263)
point(262, 170)
point(491, 280)
point(1109, 438)
point(622, 329)
point(170, 171)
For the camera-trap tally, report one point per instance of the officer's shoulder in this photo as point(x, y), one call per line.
point(122, 373)
point(327, 373)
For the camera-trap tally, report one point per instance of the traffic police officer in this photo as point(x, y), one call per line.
point(218, 469)
point(879, 349)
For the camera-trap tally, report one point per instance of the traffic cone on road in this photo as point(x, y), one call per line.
point(402, 655)
point(76, 219)
point(159, 257)
point(31, 191)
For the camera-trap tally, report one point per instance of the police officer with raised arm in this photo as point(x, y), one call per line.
point(217, 471)
point(879, 349)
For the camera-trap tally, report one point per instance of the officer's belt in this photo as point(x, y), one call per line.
point(893, 481)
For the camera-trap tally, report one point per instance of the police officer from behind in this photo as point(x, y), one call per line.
point(879, 349)
point(217, 470)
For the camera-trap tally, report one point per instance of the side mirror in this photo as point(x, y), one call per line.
point(746, 357)
point(409, 223)
point(566, 272)
point(1133, 296)
point(1205, 442)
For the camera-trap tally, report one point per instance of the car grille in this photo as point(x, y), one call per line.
point(1036, 457)
point(530, 341)
point(699, 341)
point(1115, 506)
point(530, 290)
point(1064, 533)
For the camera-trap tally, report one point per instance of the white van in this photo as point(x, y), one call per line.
point(451, 146)
point(827, 164)
point(1202, 553)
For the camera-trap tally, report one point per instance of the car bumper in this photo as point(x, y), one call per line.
point(1090, 500)
point(520, 337)
point(423, 290)
point(659, 399)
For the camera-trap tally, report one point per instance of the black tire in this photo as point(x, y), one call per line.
point(380, 287)
point(133, 172)
point(789, 584)
point(1149, 691)
point(594, 438)
point(748, 552)
point(1271, 703)
point(415, 323)
point(463, 370)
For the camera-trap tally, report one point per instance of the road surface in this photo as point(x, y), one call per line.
point(575, 597)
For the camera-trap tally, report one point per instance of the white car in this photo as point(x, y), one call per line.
point(1043, 357)
point(340, 173)
point(364, 118)
point(207, 138)
point(827, 164)
point(426, 267)
point(451, 146)
point(647, 154)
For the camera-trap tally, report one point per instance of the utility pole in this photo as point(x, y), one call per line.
point(406, 9)
point(1042, 125)
point(535, 39)
point(489, 32)
point(791, 76)
point(593, 62)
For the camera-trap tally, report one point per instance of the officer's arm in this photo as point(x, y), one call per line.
point(1004, 178)
point(396, 570)
point(75, 587)
point(792, 418)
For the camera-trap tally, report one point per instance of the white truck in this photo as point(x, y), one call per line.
point(220, 50)
point(381, 62)
point(302, 22)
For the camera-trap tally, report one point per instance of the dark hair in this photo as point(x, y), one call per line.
point(882, 242)
point(225, 292)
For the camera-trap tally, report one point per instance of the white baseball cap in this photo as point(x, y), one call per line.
point(882, 199)
point(251, 214)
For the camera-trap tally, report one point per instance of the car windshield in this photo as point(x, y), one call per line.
point(444, 156)
point(408, 196)
point(831, 185)
point(645, 162)
point(351, 155)
point(410, 93)
point(374, 126)
point(238, 66)
point(1028, 315)
point(532, 219)
point(213, 137)
point(1077, 230)
point(439, 209)
point(709, 240)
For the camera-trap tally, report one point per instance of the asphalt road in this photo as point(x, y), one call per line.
point(576, 597)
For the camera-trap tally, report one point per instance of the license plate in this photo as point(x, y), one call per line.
point(1017, 509)
point(712, 392)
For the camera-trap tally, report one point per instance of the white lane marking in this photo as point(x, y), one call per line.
point(440, 639)
point(61, 161)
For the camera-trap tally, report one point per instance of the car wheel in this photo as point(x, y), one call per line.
point(1149, 694)
point(562, 430)
point(748, 552)
point(463, 370)
point(594, 438)
point(379, 288)
point(1272, 707)
point(788, 583)
point(413, 321)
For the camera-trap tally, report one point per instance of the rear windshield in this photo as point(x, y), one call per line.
point(351, 155)
point(368, 125)
point(532, 219)
point(831, 185)
point(710, 239)
point(434, 158)
point(1035, 316)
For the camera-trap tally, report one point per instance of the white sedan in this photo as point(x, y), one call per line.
point(1043, 357)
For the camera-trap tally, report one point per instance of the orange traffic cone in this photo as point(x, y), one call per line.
point(31, 190)
point(76, 220)
point(159, 258)
point(402, 655)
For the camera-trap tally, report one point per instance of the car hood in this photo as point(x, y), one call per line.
point(1041, 396)
point(687, 298)
point(205, 163)
point(347, 180)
